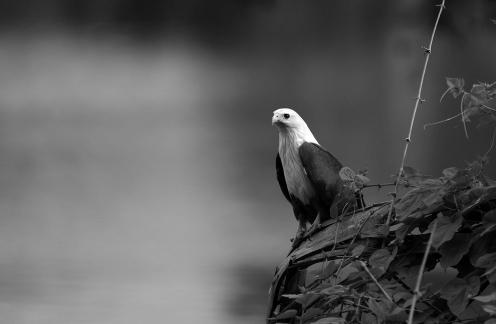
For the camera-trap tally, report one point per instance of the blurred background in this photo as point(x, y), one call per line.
point(137, 180)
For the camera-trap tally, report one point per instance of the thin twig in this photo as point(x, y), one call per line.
point(418, 100)
point(487, 107)
point(375, 280)
point(379, 185)
point(416, 292)
point(464, 122)
point(492, 143)
point(442, 121)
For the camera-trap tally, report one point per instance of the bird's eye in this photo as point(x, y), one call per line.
point(286, 116)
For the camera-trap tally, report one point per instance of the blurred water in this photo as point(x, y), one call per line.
point(137, 182)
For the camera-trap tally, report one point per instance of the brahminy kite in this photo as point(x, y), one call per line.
point(308, 174)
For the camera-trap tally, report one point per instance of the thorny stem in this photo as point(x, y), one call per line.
point(416, 292)
point(418, 100)
point(375, 281)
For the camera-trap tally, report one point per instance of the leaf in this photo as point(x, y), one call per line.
point(347, 174)
point(489, 218)
point(334, 290)
point(449, 173)
point(473, 286)
point(311, 313)
point(358, 250)
point(455, 293)
point(303, 299)
point(480, 93)
point(455, 86)
point(361, 180)
point(412, 176)
point(446, 228)
point(402, 295)
point(290, 313)
point(330, 320)
point(382, 258)
point(486, 261)
point(490, 321)
point(452, 251)
point(420, 201)
point(368, 318)
point(486, 298)
point(331, 267)
point(380, 309)
point(346, 272)
point(491, 309)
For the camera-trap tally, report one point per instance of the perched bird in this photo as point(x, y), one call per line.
point(307, 174)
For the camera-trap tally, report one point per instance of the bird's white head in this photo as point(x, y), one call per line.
point(289, 123)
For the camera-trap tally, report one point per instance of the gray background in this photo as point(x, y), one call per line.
point(137, 154)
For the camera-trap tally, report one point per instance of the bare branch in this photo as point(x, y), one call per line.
point(416, 292)
point(376, 282)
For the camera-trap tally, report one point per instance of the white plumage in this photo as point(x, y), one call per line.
point(292, 134)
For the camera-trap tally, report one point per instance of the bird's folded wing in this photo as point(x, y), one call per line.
point(321, 167)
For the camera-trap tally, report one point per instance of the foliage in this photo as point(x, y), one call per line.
point(370, 264)
point(474, 104)
point(367, 284)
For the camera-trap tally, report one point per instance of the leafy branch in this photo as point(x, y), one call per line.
point(473, 103)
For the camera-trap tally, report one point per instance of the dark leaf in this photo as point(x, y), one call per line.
point(473, 286)
point(446, 228)
point(290, 313)
point(304, 299)
point(346, 272)
point(368, 318)
point(455, 293)
point(486, 261)
point(402, 295)
point(489, 218)
point(420, 201)
point(311, 313)
point(379, 308)
point(382, 258)
point(374, 230)
point(452, 251)
point(329, 269)
point(490, 309)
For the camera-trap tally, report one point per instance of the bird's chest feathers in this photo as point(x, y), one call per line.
point(297, 181)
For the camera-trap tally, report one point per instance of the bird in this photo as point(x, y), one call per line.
point(308, 174)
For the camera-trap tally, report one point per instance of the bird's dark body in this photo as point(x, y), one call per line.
point(322, 169)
